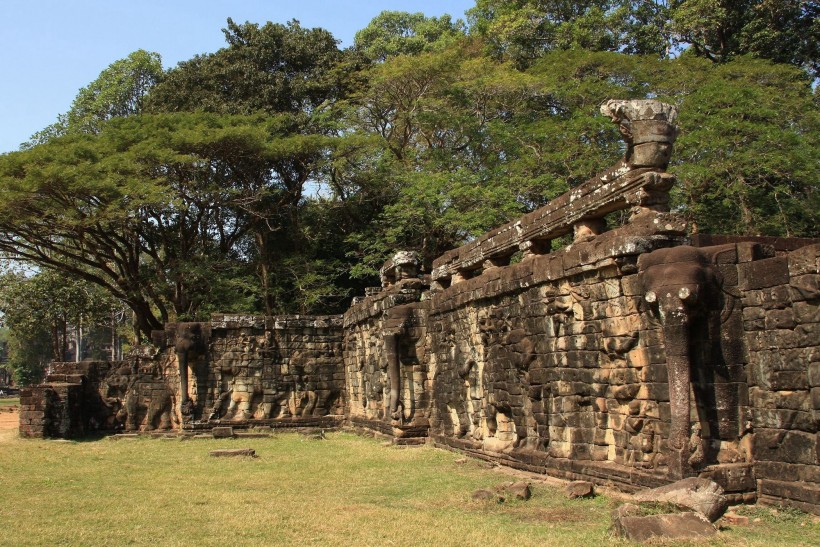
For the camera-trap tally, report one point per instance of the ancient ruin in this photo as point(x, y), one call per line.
point(631, 357)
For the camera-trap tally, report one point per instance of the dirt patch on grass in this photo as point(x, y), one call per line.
point(9, 418)
point(556, 514)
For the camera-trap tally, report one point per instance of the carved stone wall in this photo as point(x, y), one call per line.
point(631, 357)
point(554, 361)
point(263, 368)
point(82, 398)
point(388, 388)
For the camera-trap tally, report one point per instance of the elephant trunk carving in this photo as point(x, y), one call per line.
point(395, 328)
point(190, 338)
point(182, 362)
point(676, 282)
point(391, 351)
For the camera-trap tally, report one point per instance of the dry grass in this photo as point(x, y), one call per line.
point(346, 490)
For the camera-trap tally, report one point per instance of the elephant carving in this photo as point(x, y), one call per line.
point(156, 404)
point(190, 339)
point(398, 319)
point(684, 291)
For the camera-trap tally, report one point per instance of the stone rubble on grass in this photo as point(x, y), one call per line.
point(233, 452)
point(700, 495)
point(629, 524)
point(579, 489)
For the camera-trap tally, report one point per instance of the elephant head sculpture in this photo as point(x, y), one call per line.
point(190, 338)
point(681, 285)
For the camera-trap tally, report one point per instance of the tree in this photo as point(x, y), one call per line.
point(524, 30)
point(784, 31)
point(41, 311)
point(159, 209)
point(118, 91)
point(394, 33)
point(747, 156)
point(287, 71)
point(274, 68)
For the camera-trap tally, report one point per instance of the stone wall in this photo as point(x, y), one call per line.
point(389, 388)
point(632, 357)
point(781, 319)
point(238, 370)
point(270, 368)
point(82, 398)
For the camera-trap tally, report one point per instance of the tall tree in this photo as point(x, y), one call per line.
point(784, 31)
point(747, 155)
point(118, 91)
point(394, 33)
point(523, 30)
point(284, 70)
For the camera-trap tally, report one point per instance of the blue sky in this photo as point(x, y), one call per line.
point(52, 48)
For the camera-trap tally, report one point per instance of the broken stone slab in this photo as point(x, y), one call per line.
point(519, 490)
point(579, 489)
point(667, 526)
point(735, 519)
point(122, 436)
point(222, 432)
point(701, 495)
point(233, 452)
point(251, 435)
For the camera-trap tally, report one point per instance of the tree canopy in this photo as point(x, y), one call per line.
point(276, 174)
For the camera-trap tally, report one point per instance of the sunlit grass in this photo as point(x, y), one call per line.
point(10, 401)
point(345, 490)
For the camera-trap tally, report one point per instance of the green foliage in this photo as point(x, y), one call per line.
point(118, 91)
point(784, 31)
point(524, 30)
point(37, 311)
point(272, 68)
point(748, 152)
point(393, 33)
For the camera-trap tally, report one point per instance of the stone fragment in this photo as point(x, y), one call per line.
point(519, 490)
point(225, 432)
point(579, 489)
point(667, 526)
point(701, 495)
point(461, 460)
point(735, 519)
point(233, 452)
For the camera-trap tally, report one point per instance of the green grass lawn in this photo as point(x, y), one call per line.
point(9, 401)
point(345, 490)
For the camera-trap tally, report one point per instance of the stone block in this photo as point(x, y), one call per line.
point(579, 489)
point(762, 274)
point(222, 432)
point(701, 495)
point(677, 526)
point(780, 319)
point(804, 260)
point(786, 446)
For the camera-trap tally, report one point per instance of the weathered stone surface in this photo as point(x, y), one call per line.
point(222, 432)
point(233, 453)
point(676, 526)
point(579, 489)
point(701, 495)
point(519, 490)
point(734, 519)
